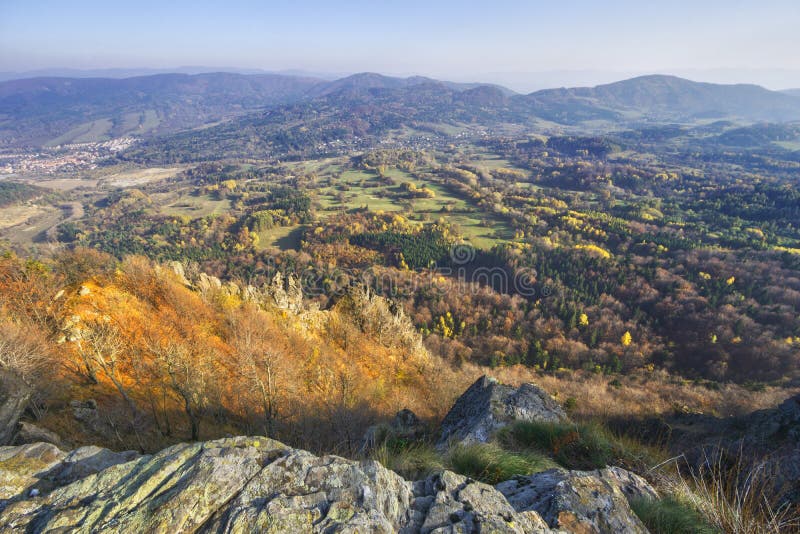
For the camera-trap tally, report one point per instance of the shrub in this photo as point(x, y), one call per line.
point(670, 516)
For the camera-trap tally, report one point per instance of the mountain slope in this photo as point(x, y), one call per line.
point(56, 110)
point(669, 98)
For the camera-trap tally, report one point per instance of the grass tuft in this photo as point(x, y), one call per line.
point(580, 446)
point(491, 464)
point(739, 499)
point(670, 516)
point(412, 462)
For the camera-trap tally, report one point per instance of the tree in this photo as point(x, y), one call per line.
point(101, 346)
point(256, 362)
point(186, 372)
point(626, 339)
point(24, 358)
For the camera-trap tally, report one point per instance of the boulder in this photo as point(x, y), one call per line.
point(179, 271)
point(405, 426)
point(487, 406)
point(206, 283)
point(30, 433)
point(581, 501)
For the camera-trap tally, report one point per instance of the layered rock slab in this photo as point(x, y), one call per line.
point(253, 484)
point(245, 485)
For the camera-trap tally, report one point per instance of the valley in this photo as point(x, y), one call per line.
point(303, 259)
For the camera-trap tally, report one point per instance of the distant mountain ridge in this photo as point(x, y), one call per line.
point(41, 110)
point(53, 111)
point(660, 96)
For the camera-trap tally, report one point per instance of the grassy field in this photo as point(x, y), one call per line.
point(137, 177)
point(139, 122)
point(789, 145)
point(359, 188)
point(25, 224)
point(281, 237)
point(65, 184)
point(85, 133)
point(192, 206)
point(14, 215)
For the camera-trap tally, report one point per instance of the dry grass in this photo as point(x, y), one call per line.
point(644, 394)
point(14, 215)
point(741, 499)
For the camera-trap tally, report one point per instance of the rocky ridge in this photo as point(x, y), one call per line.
point(255, 484)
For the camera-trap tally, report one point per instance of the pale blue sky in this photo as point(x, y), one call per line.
point(457, 39)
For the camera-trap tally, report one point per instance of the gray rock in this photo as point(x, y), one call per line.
point(179, 271)
point(765, 443)
point(448, 502)
point(206, 283)
point(85, 461)
point(487, 406)
point(40, 467)
point(84, 411)
point(25, 466)
point(581, 501)
point(30, 433)
point(240, 485)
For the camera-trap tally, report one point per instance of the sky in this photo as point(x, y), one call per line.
point(522, 43)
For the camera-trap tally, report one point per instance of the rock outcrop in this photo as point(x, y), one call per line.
point(581, 501)
point(765, 443)
point(37, 468)
point(487, 406)
point(253, 484)
point(285, 293)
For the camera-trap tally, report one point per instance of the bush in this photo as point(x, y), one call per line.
point(670, 516)
point(491, 464)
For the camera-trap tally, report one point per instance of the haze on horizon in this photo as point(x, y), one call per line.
point(522, 44)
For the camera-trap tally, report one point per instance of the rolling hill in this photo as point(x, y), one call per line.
point(53, 111)
point(39, 111)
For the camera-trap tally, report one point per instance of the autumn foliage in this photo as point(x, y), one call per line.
point(166, 361)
